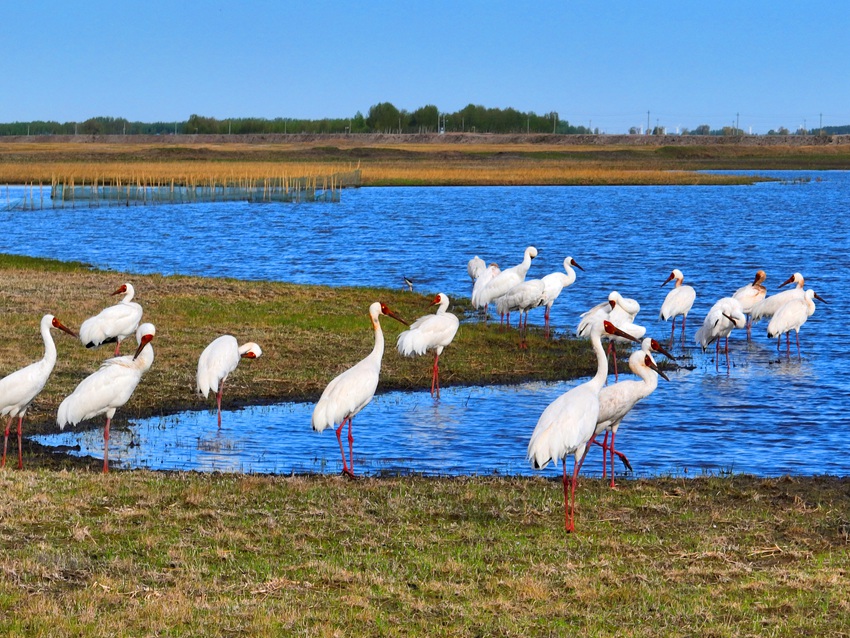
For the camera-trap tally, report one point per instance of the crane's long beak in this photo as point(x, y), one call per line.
point(146, 339)
point(659, 348)
point(575, 263)
point(819, 298)
point(611, 329)
point(651, 364)
point(787, 281)
point(58, 324)
point(670, 278)
point(392, 314)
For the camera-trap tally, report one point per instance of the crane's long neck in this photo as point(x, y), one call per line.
point(378, 349)
point(49, 347)
point(145, 359)
point(601, 363)
point(650, 380)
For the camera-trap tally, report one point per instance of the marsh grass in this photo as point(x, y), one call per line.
point(180, 554)
point(308, 334)
point(387, 164)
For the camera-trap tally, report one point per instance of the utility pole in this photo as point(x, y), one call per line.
point(737, 122)
point(647, 122)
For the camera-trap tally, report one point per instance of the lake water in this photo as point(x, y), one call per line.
point(767, 414)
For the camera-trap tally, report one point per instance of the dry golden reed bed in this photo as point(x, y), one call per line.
point(384, 163)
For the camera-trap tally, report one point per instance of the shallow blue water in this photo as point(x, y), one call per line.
point(767, 414)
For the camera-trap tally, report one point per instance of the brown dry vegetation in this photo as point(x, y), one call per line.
point(396, 162)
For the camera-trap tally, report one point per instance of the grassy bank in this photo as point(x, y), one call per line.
point(388, 163)
point(308, 334)
point(141, 554)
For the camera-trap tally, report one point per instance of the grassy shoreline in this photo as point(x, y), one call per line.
point(143, 553)
point(308, 335)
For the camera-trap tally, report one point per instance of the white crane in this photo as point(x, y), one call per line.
point(617, 400)
point(352, 390)
point(18, 389)
point(792, 316)
point(108, 388)
point(723, 317)
point(475, 267)
point(507, 279)
point(678, 301)
point(217, 361)
point(431, 332)
point(484, 278)
point(768, 306)
point(522, 297)
point(750, 295)
point(113, 324)
point(619, 310)
point(554, 283)
point(568, 424)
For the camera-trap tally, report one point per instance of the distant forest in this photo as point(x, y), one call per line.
point(381, 118)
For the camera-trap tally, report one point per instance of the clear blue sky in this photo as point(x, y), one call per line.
point(762, 64)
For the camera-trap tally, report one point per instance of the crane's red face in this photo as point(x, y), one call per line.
point(146, 339)
point(58, 324)
point(611, 329)
point(385, 310)
point(613, 303)
point(647, 360)
point(436, 302)
point(670, 278)
point(121, 290)
point(574, 263)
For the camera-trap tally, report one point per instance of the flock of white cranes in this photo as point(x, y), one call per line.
point(112, 384)
point(571, 423)
point(567, 427)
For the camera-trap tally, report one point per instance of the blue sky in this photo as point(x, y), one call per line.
point(761, 64)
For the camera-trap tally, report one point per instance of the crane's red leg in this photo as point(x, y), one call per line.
point(673, 330)
point(799, 356)
point(546, 321)
point(788, 343)
point(613, 452)
point(604, 445)
point(218, 402)
point(567, 519)
point(117, 348)
point(20, 445)
point(106, 446)
point(350, 446)
point(6, 441)
point(435, 376)
point(684, 320)
point(345, 469)
point(622, 457)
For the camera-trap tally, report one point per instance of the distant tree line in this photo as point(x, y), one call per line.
point(381, 118)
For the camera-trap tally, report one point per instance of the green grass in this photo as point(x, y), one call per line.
point(141, 553)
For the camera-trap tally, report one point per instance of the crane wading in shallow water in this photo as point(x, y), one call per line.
point(110, 387)
point(678, 301)
point(749, 296)
point(792, 316)
point(217, 361)
point(352, 390)
point(18, 389)
point(568, 424)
